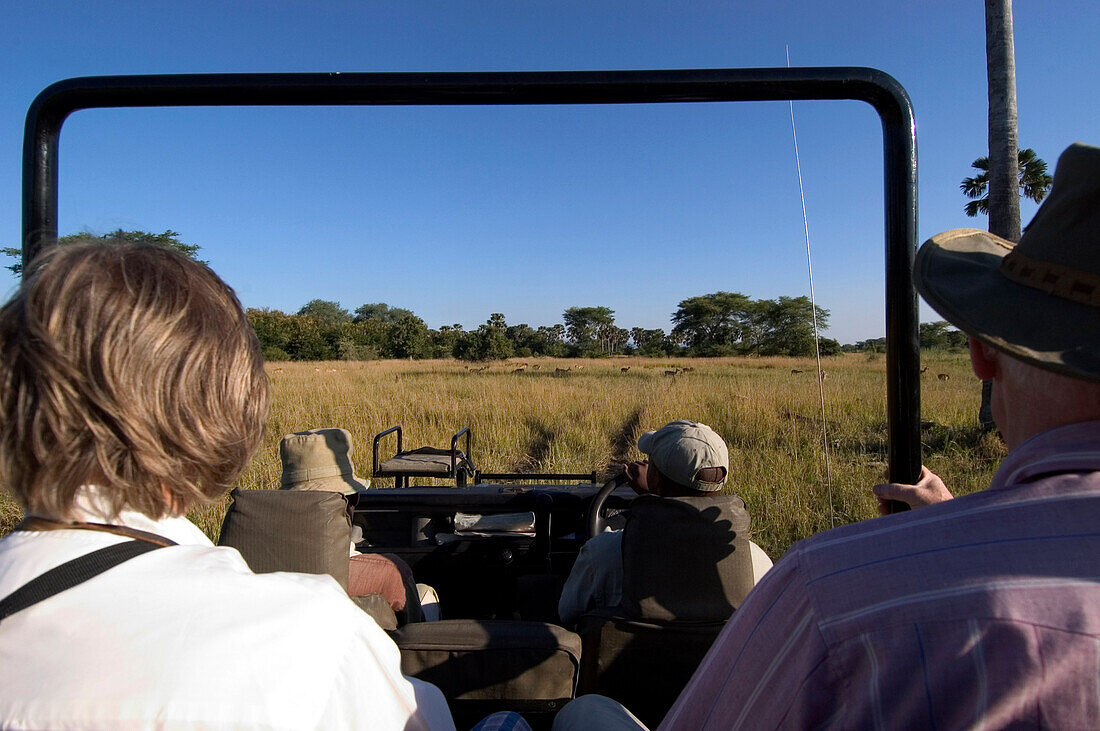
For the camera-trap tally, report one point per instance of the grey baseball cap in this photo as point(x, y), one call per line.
point(319, 459)
point(683, 448)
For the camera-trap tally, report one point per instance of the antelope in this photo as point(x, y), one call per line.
point(578, 368)
point(794, 371)
point(624, 369)
point(687, 369)
point(824, 375)
point(560, 370)
point(519, 370)
point(277, 370)
point(536, 366)
point(672, 374)
point(943, 376)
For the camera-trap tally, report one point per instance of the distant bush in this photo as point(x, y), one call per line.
point(273, 354)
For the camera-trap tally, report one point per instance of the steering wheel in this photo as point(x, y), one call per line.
point(596, 520)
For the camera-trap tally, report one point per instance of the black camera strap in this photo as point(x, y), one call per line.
point(80, 569)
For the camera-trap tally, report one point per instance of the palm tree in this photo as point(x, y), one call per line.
point(1034, 181)
point(1003, 200)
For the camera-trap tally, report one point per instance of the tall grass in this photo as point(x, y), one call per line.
point(582, 420)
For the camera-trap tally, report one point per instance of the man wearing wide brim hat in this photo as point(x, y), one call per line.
point(320, 459)
point(982, 610)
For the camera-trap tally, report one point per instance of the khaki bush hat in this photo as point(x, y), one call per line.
point(1039, 300)
point(680, 449)
point(319, 460)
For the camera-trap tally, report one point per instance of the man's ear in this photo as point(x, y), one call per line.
point(983, 359)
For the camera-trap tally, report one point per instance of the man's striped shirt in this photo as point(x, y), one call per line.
point(980, 612)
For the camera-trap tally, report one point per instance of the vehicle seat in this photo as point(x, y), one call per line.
point(302, 531)
point(686, 569)
point(431, 462)
point(483, 666)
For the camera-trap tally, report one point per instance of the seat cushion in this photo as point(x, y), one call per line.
point(425, 461)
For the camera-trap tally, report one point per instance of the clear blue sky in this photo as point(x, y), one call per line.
point(458, 212)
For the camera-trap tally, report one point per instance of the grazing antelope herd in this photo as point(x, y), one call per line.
point(641, 367)
point(520, 368)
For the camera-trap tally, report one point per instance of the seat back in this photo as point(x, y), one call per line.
point(686, 559)
point(686, 568)
point(484, 666)
point(643, 665)
point(289, 530)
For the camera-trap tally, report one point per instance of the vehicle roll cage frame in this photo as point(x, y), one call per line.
point(54, 104)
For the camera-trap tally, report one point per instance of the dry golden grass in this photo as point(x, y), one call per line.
point(540, 421)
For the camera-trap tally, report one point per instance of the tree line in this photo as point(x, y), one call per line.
point(716, 324)
point(722, 323)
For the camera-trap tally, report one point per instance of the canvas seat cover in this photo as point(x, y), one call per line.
point(686, 569)
point(686, 559)
point(302, 531)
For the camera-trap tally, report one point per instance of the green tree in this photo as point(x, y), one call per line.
point(550, 340)
point(408, 337)
point(488, 342)
point(326, 311)
point(443, 341)
point(829, 347)
point(785, 326)
point(380, 311)
point(940, 335)
point(589, 328)
point(524, 339)
point(1034, 181)
point(650, 342)
point(714, 324)
point(169, 240)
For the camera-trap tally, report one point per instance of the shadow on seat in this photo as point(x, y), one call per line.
point(686, 569)
point(484, 666)
point(302, 531)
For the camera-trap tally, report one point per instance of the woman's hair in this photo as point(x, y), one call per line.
point(131, 367)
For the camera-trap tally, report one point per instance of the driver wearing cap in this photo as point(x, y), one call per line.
point(686, 459)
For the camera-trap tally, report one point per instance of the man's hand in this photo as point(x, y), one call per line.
point(637, 473)
point(928, 490)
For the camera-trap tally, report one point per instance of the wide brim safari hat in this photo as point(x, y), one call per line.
point(1039, 300)
point(682, 448)
point(319, 459)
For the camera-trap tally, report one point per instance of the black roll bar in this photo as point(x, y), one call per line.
point(55, 103)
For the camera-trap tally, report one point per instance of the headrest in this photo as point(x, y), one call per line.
point(686, 558)
point(286, 530)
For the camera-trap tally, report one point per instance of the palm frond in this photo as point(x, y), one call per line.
point(975, 187)
point(973, 208)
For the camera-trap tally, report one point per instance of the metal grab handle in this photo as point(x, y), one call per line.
point(377, 438)
point(468, 454)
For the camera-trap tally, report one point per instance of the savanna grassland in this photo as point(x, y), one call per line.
point(538, 420)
